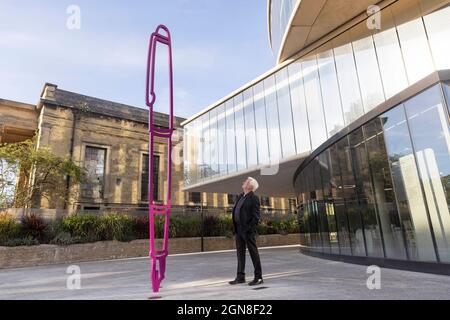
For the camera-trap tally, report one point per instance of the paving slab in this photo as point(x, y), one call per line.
point(288, 274)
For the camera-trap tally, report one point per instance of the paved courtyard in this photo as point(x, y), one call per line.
point(288, 275)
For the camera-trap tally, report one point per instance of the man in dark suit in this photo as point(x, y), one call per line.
point(245, 219)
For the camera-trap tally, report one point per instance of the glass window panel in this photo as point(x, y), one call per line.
point(197, 126)
point(273, 124)
point(320, 207)
point(275, 25)
point(447, 95)
point(214, 147)
point(206, 147)
point(240, 133)
point(145, 178)
point(365, 195)
point(390, 61)
point(250, 131)
point(305, 238)
point(285, 112)
point(94, 165)
point(299, 112)
point(261, 124)
point(314, 102)
point(385, 200)
point(231, 136)
point(410, 202)
point(428, 122)
point(330, 92)
point(438, 30)
point(414, 44)
point(368, 72)
point(221, 138)
point(188, 149)
point(328, 202)
point(339, 202)
point(311, 209)
point(348, 83)
point(351, 202)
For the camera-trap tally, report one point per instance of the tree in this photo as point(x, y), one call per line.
point(28, 173)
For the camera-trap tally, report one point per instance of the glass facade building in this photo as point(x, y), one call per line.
point(301, 105)
point(383, 190)
point(280, 14)
point(370, 140)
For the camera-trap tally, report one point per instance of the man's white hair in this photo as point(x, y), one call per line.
point(253, 183)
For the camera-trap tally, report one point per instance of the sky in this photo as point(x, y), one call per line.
point(218, 45)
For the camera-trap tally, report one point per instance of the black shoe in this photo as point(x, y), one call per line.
point(237, 281)
point(256, 282)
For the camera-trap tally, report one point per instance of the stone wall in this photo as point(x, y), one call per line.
point(16, 257)
point(125, 142)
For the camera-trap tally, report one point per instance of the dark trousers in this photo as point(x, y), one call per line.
point(247, 240)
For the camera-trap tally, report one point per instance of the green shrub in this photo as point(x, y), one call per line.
point(293, 225)
point(9, 228)
point(261, 228)
point(185, 226)
point(226, 225)
point(64, 238)
point(27, 241)
point(53, 228)
point(114, 226)
point(83, 227)
point(211, 226)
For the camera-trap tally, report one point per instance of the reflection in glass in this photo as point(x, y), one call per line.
point(285, 112)
point(414, 44)
point(364, 193)
point(231, 136)
point(348, 83)
point(314, 102)
point(311, 210)
point(281, 12)
point(205, 172)
point(447, 95)
point(261, 124)
point(438, 30)
point(273, 124)
point(197, 132)
point(390, 61)
point(368, 72)
point(319, 206)
point(221, 137)
point(430, 134)
point(240, 133)
point(250, 131)
point(384, 192)
point(299, 113)
point(357, 237)
point(408, 191)
point(339, 203)
point(328, 203)
point(330, 92)
point(188, 148)
point(213, 142)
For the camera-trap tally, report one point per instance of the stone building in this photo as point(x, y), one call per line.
point(109, 140)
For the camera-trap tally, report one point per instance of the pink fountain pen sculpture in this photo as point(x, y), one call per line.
point(158, 257)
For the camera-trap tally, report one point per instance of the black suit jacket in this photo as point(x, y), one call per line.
point(249, 214)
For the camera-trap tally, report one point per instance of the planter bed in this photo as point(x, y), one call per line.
point(29, 256)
